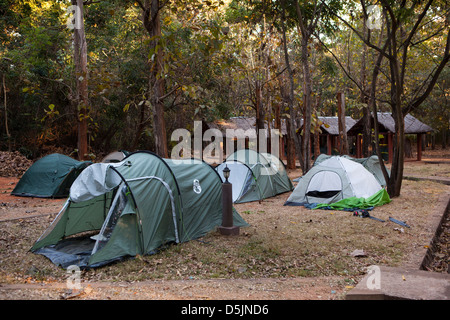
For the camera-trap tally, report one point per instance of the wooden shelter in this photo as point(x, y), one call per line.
point(329, 136)
point(386, 127)
point(249, 123)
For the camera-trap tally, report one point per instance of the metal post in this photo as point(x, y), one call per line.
point(227, 227)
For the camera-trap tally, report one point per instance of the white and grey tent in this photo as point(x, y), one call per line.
point(255, 176)
point(332, 180)
point(115, 156)
point(372, 164)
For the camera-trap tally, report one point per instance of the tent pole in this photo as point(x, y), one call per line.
point(111, 209)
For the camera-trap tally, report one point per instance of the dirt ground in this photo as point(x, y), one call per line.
point(24, 208)
point(292, 288)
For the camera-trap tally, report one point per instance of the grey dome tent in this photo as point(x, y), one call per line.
point(372, 164)
point(255, 176)
point(332, 180)
point(134, 207)
point(50, 177)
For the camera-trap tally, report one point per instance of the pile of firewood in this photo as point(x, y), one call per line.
point(13, 164)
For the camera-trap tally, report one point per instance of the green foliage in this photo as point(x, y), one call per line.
point(214, 54)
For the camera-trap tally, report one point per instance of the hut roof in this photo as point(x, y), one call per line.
point(243, 123)
point(387, 124)
point(331, 124)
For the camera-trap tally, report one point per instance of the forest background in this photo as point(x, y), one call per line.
point(89, 77)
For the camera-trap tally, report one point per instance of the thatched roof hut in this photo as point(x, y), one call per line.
point(248, 124)
point(243, 123)
point(386, 126)
point(330, 125)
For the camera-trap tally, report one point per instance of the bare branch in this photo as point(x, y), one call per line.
point(88, 2)
point(366, 41)
point(414, 104)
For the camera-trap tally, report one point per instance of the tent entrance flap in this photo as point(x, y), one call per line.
point(241, 179)
point(324, 184)
point(172, 201)
point(255, 176)
point(115, 211)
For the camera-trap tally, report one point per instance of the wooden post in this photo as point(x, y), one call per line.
point(390, 147)
point(419, 146)
point(358, 146)
point(343, 142)
point(329, 148)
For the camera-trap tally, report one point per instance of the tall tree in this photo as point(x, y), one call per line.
point(289, 98)
point(402, 22)
point(81, 75)
point(307, 25)
point(310, 16)
point(151, 19)
point(367, 132)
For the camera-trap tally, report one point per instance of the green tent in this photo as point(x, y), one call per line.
point(134, 207)
point(50, 177)
point(255, 176)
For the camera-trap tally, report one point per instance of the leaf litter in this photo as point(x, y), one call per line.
point(283, 244)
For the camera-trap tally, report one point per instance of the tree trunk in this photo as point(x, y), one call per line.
point(444, 137)
point(367, 130)
point(395, 180)
point(6, 112)
point(396, 17)
point(372, 106)
point(306, 140)
point(290, 163)
point(277, 125)
point(316, 144)
point(260, 114)
point(343, 142)
point(152, 23)
point(140, 127)
point(295, 150)
point(81, 74)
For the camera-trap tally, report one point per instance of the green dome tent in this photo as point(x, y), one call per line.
point(50, 177)
point(255, 176)
point(135, 207)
